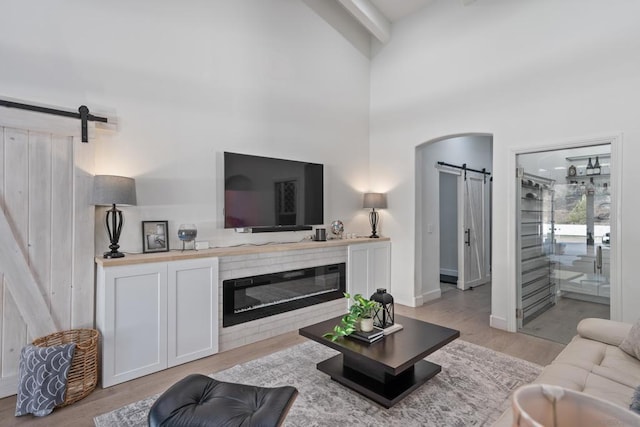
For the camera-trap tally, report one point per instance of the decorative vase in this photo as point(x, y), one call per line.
point(187, 233)
point(366, 325)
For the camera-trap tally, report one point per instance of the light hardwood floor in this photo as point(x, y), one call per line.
point(466, 311)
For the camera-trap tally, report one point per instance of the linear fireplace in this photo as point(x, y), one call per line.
point(255, 297)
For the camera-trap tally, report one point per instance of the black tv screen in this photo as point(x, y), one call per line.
point(269, 192)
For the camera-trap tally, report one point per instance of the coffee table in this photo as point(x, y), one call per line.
point(387, 370)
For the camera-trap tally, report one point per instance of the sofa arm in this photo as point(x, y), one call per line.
point(603, 330)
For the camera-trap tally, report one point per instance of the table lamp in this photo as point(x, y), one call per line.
point(114, 190)
point(373, 201)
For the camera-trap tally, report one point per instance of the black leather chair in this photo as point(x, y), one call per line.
point(199, 401)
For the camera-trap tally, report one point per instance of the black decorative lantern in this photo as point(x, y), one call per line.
point(383, 316)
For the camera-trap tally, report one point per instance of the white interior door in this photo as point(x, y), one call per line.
point(471, 217)
point(46, 178)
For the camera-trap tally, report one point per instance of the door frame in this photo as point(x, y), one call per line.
point(615, 140)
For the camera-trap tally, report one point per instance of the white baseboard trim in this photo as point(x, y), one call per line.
point(430, 296)
point(449, 272)
point(498, 322)
point(417, 301)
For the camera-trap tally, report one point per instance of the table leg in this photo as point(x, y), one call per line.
point(382, 388)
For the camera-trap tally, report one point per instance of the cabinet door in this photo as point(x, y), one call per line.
point(369, 268)
point(358, 269)
point(192, 310)
point(134, 322)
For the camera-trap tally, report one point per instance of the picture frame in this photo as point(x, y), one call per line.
point(155, 236)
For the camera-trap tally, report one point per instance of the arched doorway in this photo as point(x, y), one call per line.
point(468, 154)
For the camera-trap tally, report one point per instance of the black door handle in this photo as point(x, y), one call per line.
point(467, 237)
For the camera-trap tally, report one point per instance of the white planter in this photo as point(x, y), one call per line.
point(366, 325)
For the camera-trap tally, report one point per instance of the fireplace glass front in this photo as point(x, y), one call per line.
point(256, 297)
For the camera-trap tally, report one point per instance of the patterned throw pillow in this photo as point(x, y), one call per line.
point(42, 378)
point(635, 400)
point(631, 343)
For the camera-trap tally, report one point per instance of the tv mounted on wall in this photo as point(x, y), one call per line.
point(268, 194)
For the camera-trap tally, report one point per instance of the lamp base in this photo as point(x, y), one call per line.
point(113, 254)
point(373, 220)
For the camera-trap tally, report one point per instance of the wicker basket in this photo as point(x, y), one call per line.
point(83, 374)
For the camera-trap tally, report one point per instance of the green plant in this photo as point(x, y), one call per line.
point(361, 308)
point(578, 214)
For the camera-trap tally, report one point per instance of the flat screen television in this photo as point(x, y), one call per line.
point(268, 194)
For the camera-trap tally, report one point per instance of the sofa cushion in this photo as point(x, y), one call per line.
point(603, 330)
point(631, 343)
point(582, 353)
point(564, 375)
point(609, 390)
point(620, 367)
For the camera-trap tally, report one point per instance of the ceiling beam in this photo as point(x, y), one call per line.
point(370, 17)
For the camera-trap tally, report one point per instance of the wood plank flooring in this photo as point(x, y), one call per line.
point(466, 311)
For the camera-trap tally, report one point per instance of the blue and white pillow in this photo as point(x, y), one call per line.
point(635, 400)
point(42, 378)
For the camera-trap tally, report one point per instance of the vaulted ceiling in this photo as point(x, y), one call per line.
point(360, 20)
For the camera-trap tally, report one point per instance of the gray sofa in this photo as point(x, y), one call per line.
point(592, 363)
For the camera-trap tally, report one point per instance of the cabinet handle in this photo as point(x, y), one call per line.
point(467, 237)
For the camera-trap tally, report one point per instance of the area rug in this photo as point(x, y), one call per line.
point(473, 389)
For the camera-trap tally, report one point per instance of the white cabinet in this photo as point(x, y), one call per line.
point(369, 268)
point(154, 316)
point(192, 310)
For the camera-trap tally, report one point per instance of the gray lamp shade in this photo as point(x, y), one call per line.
point(110, 189)
point(375, 200)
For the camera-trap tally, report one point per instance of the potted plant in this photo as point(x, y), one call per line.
point(360, 313)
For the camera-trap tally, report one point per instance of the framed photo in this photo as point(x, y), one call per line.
point(155, 236)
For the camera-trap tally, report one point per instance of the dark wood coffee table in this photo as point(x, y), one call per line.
point(387, 370)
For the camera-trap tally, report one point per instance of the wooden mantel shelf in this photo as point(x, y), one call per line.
point(175, 255)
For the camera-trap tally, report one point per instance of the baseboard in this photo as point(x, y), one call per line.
point(449, 279)
point(431, 295)
point(498, 322)
point(449, 271)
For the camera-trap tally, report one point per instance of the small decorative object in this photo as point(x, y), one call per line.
point(321, 234)
point(187, 233)
point(572, 170)
point(589, 167)
point(373, 201)
point(383, 315)
point(154, 236)
point(111, 190)
point(337, 228)
point(361, 308)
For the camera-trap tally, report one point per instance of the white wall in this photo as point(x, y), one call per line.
point(532, 74)
point(188, 81)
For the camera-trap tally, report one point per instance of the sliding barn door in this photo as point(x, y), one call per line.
point(472, 253)
point(45, 184)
